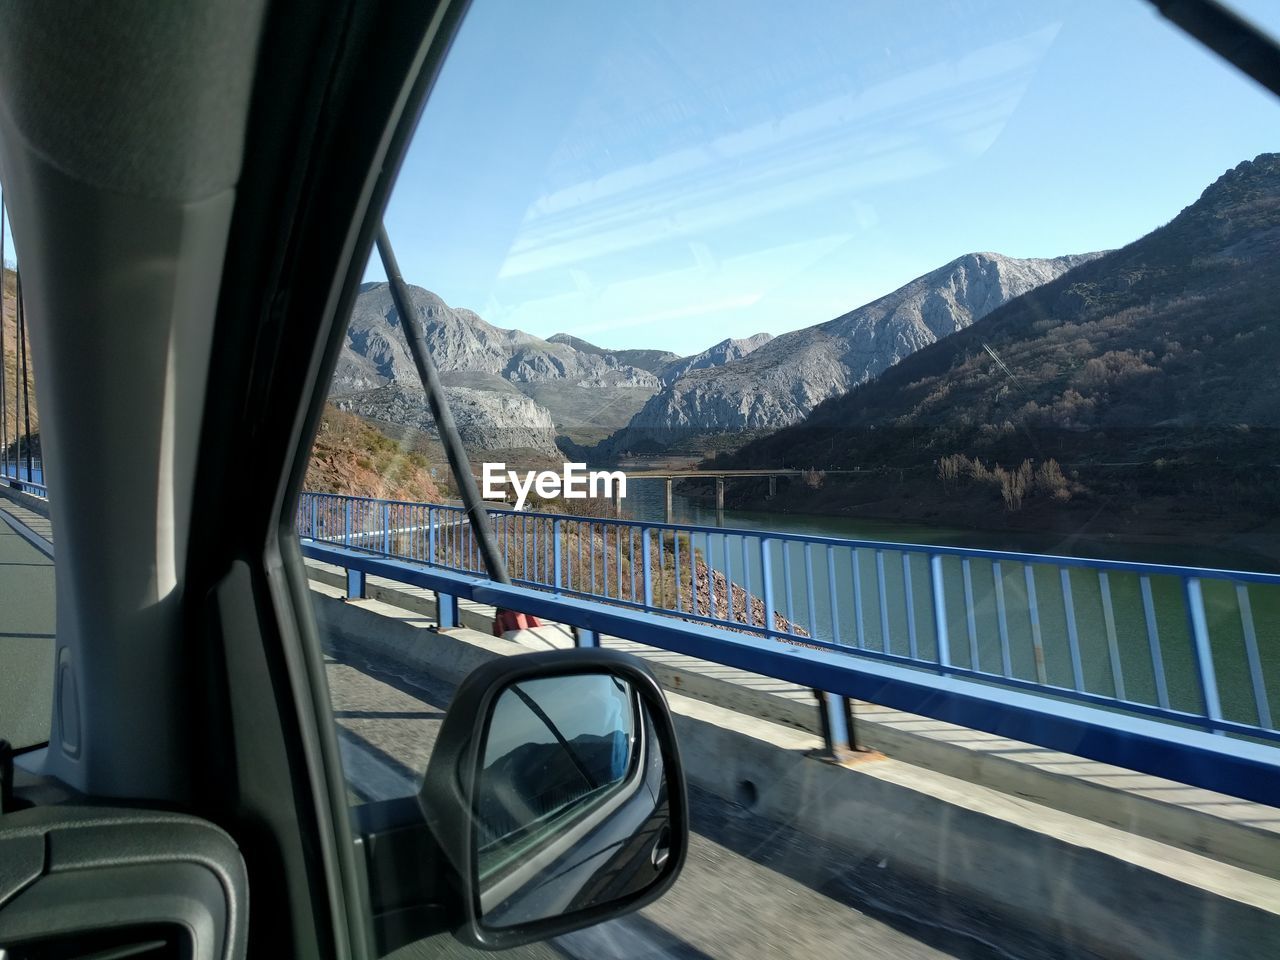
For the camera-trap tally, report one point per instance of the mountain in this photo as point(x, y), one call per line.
point(781, 381)
point(488, 420)
point(1148, 372)
point(539, 388)
point(717, 356)
point(652, 360)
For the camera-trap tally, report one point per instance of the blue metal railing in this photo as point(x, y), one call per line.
point(14, 474)
point(1193, 646)
point(1240, 768)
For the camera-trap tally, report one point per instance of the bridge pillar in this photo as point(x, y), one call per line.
point(773, 486)
point(446, 611)
point(617, 500)
point(835, 714)
point(719, 501)
point(670, 508)
point(355, 584)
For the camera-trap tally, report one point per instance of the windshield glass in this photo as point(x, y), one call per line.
point(929, 346)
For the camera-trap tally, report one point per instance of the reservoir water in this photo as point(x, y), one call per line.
point(1133, 638)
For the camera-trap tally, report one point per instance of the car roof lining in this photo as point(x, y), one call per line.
point(142, 98)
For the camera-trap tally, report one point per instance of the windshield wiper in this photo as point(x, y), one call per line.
point(494, 562)
point(1229, 35)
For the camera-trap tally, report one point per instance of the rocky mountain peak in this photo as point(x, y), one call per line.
point(782, 379)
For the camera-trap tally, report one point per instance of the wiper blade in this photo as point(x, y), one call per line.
point(454, 450)
point(1229, 35)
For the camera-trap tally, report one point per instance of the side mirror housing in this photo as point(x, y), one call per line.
point(556, 793)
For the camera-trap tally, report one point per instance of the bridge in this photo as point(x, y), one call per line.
point(719, 477)
point(1169, 670)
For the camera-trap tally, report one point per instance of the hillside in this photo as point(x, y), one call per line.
point(1148, 374)
point(352, 457)
point(726, 351)
point(782, 380)
point(508, 381)
point(652, 360)
point(14, 423)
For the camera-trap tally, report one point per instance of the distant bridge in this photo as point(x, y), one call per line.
point(719, 476)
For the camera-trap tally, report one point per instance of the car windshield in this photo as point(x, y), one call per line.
point(918, 363)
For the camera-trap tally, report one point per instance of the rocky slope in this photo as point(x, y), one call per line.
point(487, 419)
point(652, 360)
point(352, 457)
point(555, 387)
point(780, 382)
point(723, 352)
point(15, 424)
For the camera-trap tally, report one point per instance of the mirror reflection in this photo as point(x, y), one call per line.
point(571, 801)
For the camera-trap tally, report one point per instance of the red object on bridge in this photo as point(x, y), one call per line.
point(507, 620)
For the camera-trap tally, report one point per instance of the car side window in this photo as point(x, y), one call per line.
point(27, 615)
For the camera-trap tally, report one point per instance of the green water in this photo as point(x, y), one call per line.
point(1125, 647)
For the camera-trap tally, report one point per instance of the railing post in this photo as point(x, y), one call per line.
point(431, 534)
point(386, 529)
point(315, 517)
point(646, 565)
point(766, 581)
point(557, 558)
point(346, 537)
point(355, 584)
point(832, 595)
point(835, 714)
point(584, 637)
point(1202, 649)
point(446, 610)
point(1033, 611)
point(940, 613)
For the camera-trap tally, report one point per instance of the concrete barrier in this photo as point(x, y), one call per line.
point(1236, 832)
point(24, 499)
point(1023, 876)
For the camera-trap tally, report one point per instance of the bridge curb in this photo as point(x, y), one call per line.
point(33, 503)
point(978, 861)
point(1188, 818)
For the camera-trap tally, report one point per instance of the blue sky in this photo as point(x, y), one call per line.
point(667, 174)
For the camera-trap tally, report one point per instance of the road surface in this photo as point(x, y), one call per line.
point(750, 888)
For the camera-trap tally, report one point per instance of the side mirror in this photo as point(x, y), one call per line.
point(556, 793)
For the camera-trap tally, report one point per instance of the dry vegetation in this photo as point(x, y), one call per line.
point(15, 419)
point(1015, 485)
point(352, 457)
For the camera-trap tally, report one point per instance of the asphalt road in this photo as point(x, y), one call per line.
point(750, 888)
point(26, 640)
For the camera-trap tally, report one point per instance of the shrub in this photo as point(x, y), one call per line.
point(1051, 482)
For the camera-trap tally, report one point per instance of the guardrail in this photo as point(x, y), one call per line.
point(25, 486)
point(1240, 768)
point(1182, 645)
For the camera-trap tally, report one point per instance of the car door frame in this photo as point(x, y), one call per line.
point(335, 101)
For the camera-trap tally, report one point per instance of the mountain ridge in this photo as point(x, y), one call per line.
point(784, 379)
point(1148, 371)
